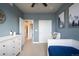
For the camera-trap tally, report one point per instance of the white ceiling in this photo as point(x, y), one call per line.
point(39, 7)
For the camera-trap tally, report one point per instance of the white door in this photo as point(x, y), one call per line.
point(45, 30)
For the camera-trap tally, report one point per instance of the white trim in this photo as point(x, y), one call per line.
point(42, 42)
point(39, 42)
point(20, 26)
point(35, 42)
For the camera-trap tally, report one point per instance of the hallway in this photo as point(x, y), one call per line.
point(37, 49)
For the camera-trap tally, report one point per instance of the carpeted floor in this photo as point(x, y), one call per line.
point(31, 49)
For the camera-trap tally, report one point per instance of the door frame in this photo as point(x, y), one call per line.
point(33, 27)
point(21, 22)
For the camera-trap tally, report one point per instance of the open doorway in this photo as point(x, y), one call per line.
point(28, 29)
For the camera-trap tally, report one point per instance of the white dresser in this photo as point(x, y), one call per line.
point(10, 45)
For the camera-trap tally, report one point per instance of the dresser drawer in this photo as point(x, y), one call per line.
point(10, 47)
point(0, 49)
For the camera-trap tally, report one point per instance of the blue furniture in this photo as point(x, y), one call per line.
point(62, 51)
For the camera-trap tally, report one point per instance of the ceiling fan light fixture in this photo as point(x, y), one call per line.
point(33, 4)
point(45, 4)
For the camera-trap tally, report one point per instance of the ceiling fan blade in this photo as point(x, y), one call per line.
point(45, 4)
point(32, 4)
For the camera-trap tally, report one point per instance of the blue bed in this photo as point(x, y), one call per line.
point(62, 51)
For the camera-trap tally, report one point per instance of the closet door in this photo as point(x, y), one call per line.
point(45, 30)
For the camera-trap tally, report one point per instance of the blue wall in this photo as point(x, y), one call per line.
point(12, 20)
point(40, 16)
point(67, 32)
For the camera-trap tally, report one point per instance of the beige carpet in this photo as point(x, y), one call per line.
point(31, 49)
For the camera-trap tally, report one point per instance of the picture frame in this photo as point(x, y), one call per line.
point(2, 16)
point(74, 15)
point(61, 21)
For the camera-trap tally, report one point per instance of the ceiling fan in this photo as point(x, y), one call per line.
point(33, 4)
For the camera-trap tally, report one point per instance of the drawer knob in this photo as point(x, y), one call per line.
point(3, 45)
point(3, 53)
point(13, 47)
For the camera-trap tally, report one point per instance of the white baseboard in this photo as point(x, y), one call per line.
point(42, 42)
point(35, 42)
point(38, 42)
